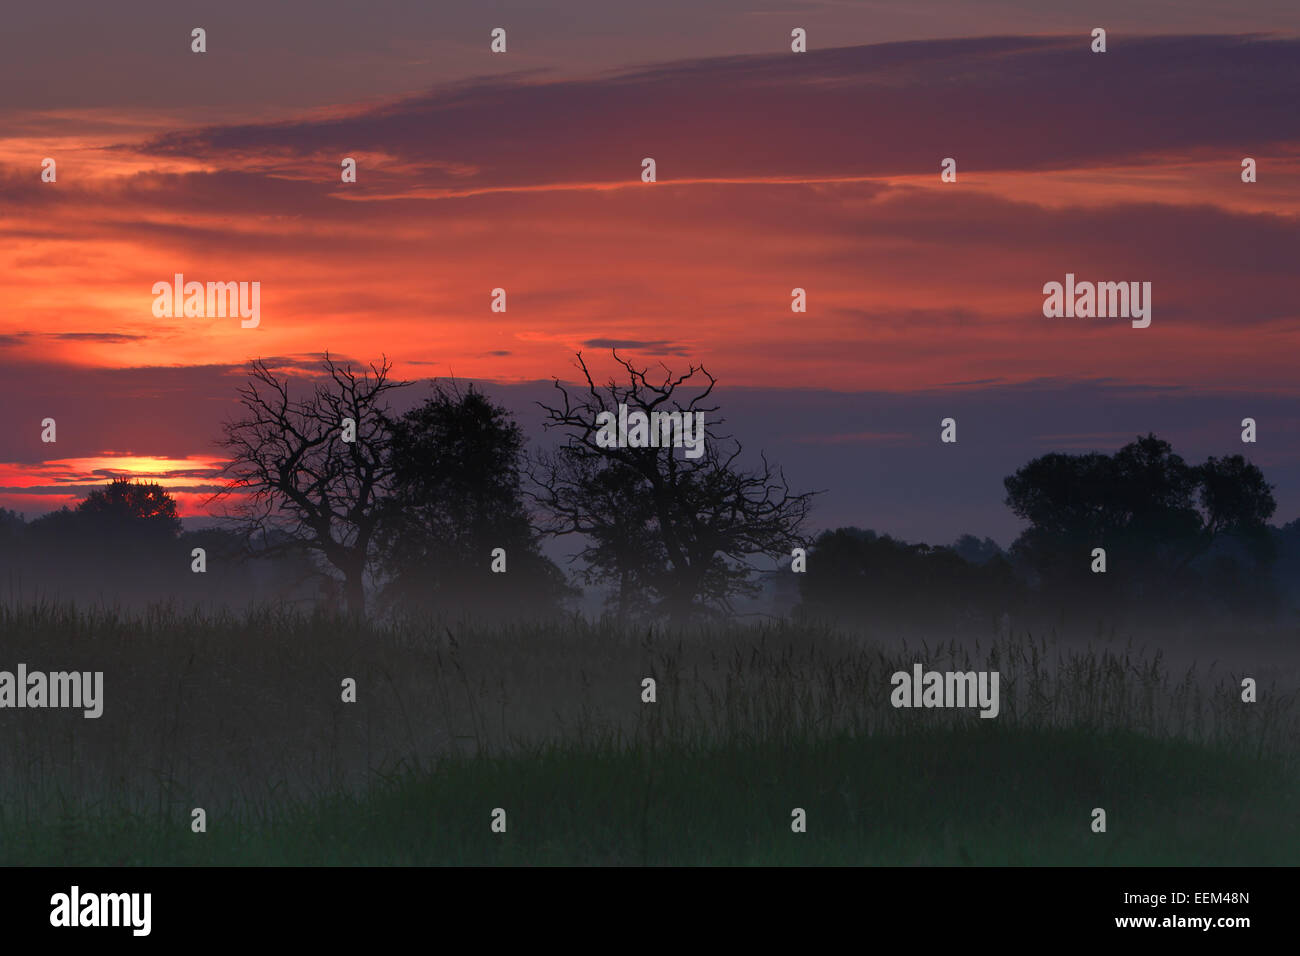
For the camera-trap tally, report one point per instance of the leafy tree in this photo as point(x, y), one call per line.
point(456, 496)
point(124, 506)
point(861, 577)
point(121, 541)
point(976, 550)
point(1153, 513)
point(124, 519)
point(1236, 502)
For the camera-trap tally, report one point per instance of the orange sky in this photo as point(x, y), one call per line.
point(533, 185)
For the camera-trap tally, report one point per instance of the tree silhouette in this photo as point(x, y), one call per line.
point(619, 550)
point(673, 531)
point(291, 469)
point(125, 506)
point(858, 576)
point(123, 539)
point(456, 496)
point(1152, 512)
point(1236, 502)
point(976, 550)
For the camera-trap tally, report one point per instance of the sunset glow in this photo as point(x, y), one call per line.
point(823, 177)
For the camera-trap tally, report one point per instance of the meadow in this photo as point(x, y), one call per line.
point(241, 714)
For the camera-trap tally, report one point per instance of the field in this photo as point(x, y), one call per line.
point(241, 715)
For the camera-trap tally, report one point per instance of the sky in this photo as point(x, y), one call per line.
point(775, 170)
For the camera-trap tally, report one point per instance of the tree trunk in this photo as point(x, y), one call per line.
point(354, 591)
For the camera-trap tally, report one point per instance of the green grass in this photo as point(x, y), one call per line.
point(979, 795)
point(241, 715)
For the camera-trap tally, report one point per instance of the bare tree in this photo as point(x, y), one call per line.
point(666, 528)
point(291, 469)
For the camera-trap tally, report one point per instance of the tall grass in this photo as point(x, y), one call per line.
point(240, 713)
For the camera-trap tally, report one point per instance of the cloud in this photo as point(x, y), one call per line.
point(654, 347)
point(106, 337)
point(1010, 103)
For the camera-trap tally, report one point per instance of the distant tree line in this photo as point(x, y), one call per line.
point(332, 498)
point(1137, 532)
point(124, 543)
